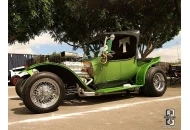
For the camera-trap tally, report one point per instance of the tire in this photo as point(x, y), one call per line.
point(155, 83)
point(19, 85)
point(14, 79)
point(43, 92)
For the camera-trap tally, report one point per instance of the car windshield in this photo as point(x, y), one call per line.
point(94, 49)
point(122, 46)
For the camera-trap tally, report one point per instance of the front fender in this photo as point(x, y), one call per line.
point(66, 74)
point(141, 74)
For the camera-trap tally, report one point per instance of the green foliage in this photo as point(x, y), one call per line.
point(55, 57)
point(78, 21)
point(158, 21)
point(54, 54)
point(161, 22)
point(28, 18)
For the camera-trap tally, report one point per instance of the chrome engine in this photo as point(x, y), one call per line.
point(76, 67)
point(83, 70)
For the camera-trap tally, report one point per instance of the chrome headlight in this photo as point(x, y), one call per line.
point(88, 68)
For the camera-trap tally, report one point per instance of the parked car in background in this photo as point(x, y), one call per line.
point(14, 74)
point(177, 69)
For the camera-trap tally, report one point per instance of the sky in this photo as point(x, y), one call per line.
point(170, 51)
point(44, 44)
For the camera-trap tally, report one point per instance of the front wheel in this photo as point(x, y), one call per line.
point(156, 82)
point(43, 92)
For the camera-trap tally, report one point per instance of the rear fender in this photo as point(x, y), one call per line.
point(141, 74)
point(66, 74)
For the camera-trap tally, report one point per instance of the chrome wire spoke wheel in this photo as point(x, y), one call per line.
point(159, 81)
point(45, 93)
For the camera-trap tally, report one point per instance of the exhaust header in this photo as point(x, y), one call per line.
point(69, 54)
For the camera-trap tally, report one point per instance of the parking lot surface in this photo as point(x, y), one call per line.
point(113, 112)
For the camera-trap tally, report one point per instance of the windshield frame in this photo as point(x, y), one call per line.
point(135, 33)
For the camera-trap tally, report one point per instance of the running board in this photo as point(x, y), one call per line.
point(115, 89)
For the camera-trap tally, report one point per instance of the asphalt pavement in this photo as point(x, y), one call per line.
point(114, 112)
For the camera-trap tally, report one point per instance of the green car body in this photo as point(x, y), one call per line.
point(119, 72)
point(104, 74)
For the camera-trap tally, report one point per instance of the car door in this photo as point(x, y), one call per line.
point(112, 70)
point(120, 69)
point(128, 68)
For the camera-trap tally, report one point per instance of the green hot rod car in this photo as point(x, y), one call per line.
point(111, 66)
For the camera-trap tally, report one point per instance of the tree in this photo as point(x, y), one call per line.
point(159, 26)
point(158, 21)
point(178, 5)
point(78, 21)
point(27, 19)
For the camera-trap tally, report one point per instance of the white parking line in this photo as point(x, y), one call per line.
point(13, 97)
point(62, 116)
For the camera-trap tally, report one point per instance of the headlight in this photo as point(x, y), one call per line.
point(35, 71)
point(88, 68)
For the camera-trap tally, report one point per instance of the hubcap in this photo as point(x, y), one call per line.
point(45, 92)
point(159, 82)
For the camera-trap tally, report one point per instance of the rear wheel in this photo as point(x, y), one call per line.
point(156, 82)
point(14, 79)
point(43, 92)
point(19, 85)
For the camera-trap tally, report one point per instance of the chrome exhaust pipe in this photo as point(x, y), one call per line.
point(83, 93)
point(69, 54)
